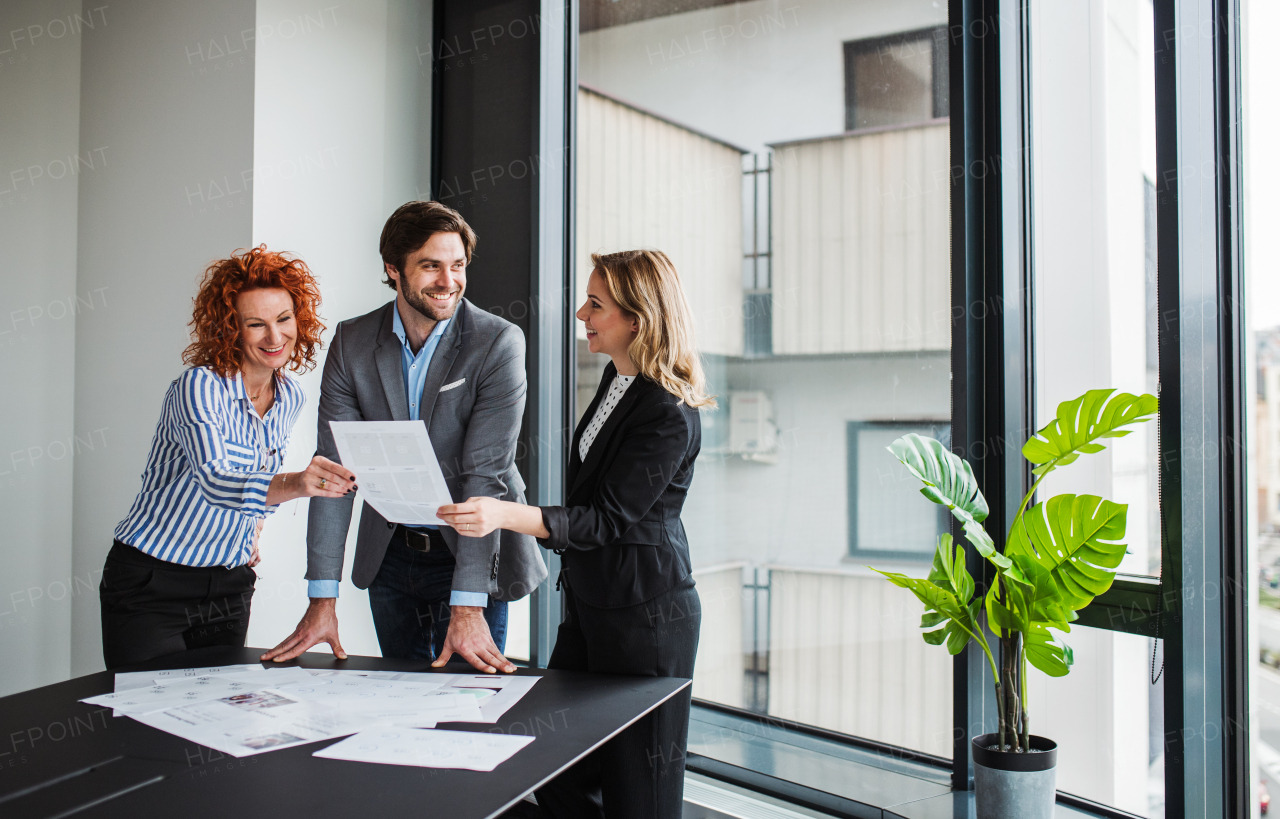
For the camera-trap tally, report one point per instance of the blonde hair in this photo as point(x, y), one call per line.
point(645, 284)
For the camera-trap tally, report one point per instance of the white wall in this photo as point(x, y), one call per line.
point(751, 73)
point(173, 121)
point(342, 115)
point(340, 141)
point(39, 143)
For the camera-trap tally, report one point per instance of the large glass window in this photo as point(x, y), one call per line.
point(790, 160)
point(1262, 174)
point(1091, 105)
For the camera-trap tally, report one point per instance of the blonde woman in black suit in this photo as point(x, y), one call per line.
point(630, 602)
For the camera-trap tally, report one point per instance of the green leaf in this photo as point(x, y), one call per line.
point(1082, 422)
point(998, 616)
point(935, 638)
point(930, 619)
point(975, 534)
point(940, 570)
point(958, 617)
point(961, 581)
point(1075, 539)
point(947, 479)
point(1040, 596)
point(1047, 653)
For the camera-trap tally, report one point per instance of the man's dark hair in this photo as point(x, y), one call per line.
point(412, 225)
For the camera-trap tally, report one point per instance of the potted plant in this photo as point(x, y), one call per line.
point(1060, 554)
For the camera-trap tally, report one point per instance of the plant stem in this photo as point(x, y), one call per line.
point(1027, 499)
point(1026, 727)
point(1000, 712)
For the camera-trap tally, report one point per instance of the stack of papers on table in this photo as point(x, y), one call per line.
point(245, 710)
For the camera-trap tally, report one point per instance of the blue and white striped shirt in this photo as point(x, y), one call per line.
point(212, 459)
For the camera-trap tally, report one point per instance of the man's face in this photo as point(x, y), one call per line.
point(434, 277)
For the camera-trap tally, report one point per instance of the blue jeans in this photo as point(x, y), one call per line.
point(410, 602)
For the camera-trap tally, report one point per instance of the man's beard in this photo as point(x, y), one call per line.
point(430, 308)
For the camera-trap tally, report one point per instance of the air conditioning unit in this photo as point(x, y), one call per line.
point(752, 432)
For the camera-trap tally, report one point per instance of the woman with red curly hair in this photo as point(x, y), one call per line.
point(180, 573)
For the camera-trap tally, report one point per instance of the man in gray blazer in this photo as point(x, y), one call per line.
point(430, 355)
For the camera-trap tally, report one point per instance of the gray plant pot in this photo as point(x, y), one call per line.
point(1015, 786)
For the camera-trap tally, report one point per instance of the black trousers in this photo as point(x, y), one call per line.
point(151, 607)
point(640, 772)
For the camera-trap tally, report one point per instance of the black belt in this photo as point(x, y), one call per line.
point(421, 540)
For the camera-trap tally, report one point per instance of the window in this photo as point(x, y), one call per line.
point(885, 515)
point(895, 80)
point(1092, 172)
point(817, 265)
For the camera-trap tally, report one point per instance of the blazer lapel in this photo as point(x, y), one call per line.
point(575, 462)
point(390, 371)
point(442, 361)
point(600, 444)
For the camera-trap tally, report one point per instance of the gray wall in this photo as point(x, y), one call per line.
point(177, 122)
point(39, 93)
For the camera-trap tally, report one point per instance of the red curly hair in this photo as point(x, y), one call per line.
point(215, 327)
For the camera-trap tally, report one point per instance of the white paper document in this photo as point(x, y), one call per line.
point(417, 703)
point(247, 724)
point(427, 749)
point(145, 679)
point(175, 691)
point(137, 701)
point(506, 692)
point(242, 710)
point(395, 466)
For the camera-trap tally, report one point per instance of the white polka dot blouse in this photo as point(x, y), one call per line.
point(616, 389)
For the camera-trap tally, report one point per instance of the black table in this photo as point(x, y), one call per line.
point(61, 757)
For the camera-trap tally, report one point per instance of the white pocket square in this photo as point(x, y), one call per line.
point(457, 383)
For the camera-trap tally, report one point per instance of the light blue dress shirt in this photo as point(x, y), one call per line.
point(414, 368)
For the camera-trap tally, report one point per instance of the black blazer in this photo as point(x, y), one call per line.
point(619, 531)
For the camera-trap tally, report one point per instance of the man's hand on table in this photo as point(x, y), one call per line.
point(469, 638)
point(318, 625)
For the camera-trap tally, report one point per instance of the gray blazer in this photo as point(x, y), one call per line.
point(473, 426)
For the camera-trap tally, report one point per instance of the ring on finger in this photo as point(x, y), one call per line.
point(324, 482)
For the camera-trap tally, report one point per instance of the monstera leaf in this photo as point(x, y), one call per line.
point(1084, 421)
point(1032, 602)
point(946, 597)
point(949, 481)
point(1076, 540)
point(1047, 653)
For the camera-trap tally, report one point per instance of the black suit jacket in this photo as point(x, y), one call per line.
point(619, 531)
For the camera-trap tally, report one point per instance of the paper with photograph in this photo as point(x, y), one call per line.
point(396, 468)
point(251, 723)
point(187, 691)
